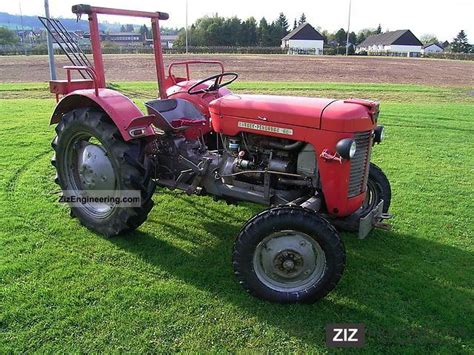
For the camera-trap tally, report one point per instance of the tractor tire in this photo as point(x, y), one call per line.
point(378, 189)
point(288, 255)
point(116, 166)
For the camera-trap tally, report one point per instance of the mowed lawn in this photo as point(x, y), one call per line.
point(169, 286)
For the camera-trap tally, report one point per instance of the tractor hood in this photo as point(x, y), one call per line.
point(297, 111)
point(327, 114)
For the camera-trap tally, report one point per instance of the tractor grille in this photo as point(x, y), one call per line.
point(360, 163)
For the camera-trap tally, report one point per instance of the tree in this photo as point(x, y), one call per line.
point(145, 32)
point(326, 35)
point(232, 32)
point(123, 29)
point(379, 29)
point(361, 37)
point(278, 29)
point(129, 28)
point(302, 19)
point(428, 38)
point(282, 22)
point(264, 38)
point(340, 37)
point(295, 24)
point(7, 37)
point(460, 44)
point(249, 32)
point(352, 38)
point(367, 32)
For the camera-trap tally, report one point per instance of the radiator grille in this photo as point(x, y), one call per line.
point(360, 164)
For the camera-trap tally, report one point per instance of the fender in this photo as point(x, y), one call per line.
point(121, 110)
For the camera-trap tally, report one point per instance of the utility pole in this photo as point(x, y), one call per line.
point(348, 27)
point(23, 35)
point(186, 27)
point(52, 66)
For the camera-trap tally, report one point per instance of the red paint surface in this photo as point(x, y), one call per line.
point(120, 108)
point(322, 121)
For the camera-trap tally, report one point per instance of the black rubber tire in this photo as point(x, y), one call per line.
point(379, 185)
point(128, 160)
point(288, 218)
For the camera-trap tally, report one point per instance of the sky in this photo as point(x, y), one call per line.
point(439, 17)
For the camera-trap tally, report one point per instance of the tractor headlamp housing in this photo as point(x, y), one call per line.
point(346, 148)
point(379, 134)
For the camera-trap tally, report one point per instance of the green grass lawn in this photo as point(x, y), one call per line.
point(169, 286)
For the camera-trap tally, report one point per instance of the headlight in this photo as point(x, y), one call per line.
point(379, 134)
point(346, 148)
point(353, 150)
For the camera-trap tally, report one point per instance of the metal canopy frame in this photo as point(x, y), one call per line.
point(67, 44)
point(155, 17)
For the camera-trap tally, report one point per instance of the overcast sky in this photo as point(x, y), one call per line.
point(442, 18)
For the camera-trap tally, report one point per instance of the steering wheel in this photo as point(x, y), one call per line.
point(216, 85)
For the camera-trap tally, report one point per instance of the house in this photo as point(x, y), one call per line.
point(401, 42)
point(167, 41)
point(28, 36)
point(125, 38)
point(303, 40)
point(62, 42)
point(432, 48)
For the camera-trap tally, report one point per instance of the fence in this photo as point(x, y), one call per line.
point(457, 56)
point(41, 49)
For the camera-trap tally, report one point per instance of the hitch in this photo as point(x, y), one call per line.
point(374, 219)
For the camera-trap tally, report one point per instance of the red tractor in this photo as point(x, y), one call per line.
point(306, 159)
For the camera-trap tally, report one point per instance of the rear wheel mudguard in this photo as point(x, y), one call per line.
point(121, 110)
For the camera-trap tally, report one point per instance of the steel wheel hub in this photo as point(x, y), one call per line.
point(95, 169)
point(289, 261)
point(90, 173)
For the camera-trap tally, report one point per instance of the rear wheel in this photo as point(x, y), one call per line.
point(288, 255)
point(91, 158)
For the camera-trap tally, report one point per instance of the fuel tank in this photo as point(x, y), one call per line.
point(289, 111)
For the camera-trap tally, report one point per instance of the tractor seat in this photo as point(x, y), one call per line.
point(175, 115)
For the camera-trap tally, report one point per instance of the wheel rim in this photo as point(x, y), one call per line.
point(372, 196)
point(89, 171)
point(289, 261)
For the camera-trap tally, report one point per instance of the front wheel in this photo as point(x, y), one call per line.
point(91, 158)
point(288, 255)
point(378, 189)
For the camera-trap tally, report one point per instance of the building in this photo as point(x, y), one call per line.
point(401, 42)
point(167, 41)
point(60, 41)
point(304, 40)
point(28, 36)
point(125, 38)
point(432, 48)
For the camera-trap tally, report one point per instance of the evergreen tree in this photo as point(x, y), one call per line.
point(361, 37)
point(123, 29)
point(264, 33)
point(379, 29)
point(249, 32)
point(279, 29)
point(282, 22)
point(353, 38)
point(295, 24)
point(341, 37)
point(302, 19)
point(145, 32)
point(460, 44)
